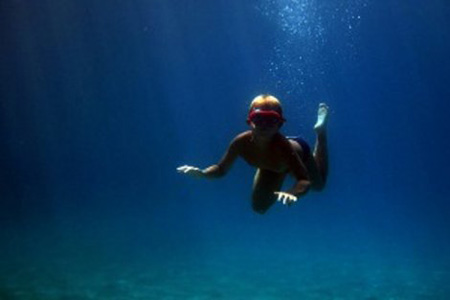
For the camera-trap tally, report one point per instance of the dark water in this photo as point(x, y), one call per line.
point(102, 100)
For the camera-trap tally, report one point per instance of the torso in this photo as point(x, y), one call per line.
point(272, 156)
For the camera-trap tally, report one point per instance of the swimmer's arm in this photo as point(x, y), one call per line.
point(300, 172)
point(300, 188)
point(223, 166)
point(298, 169)
point(219, 169)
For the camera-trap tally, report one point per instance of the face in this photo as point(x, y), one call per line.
point(265, 126)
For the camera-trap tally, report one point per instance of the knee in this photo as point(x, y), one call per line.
point(259, 207)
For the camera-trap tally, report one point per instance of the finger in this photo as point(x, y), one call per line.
point(186, 169)
point(278, 196)
point(189, 169)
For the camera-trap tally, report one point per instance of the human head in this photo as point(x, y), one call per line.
point(265, 106)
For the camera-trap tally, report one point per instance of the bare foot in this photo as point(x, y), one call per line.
point(322, 117)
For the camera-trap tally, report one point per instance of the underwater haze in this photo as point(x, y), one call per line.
point(101, 101)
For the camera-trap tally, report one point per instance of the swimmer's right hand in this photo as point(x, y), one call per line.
point(191, 171)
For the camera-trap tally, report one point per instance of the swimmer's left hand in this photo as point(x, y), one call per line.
point(286, 198)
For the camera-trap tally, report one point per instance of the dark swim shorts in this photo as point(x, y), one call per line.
point(303, 144)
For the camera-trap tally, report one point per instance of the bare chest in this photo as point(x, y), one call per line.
point(269, 158)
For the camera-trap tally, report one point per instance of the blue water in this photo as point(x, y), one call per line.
point(102, 100)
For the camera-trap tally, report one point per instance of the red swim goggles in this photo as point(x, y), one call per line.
point(265, 117)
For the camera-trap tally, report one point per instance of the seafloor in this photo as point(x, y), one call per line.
point(220, 272)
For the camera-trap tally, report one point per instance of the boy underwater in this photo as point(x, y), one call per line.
point(274, 155)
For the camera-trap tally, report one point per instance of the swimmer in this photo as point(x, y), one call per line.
point(274, 156)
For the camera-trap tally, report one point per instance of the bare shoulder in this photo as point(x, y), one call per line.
point(289, 145)
point(295, 145)
point(282, 141)
point(241, 139)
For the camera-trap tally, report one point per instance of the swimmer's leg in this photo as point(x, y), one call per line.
point(265, 184)
point(320, 153)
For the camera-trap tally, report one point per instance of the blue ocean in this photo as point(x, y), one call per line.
point(101, 101)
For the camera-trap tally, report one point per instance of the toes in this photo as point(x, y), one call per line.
point(323, 107)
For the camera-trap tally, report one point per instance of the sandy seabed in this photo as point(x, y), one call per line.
point(226, 276)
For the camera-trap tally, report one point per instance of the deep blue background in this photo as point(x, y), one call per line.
point(102, 100)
